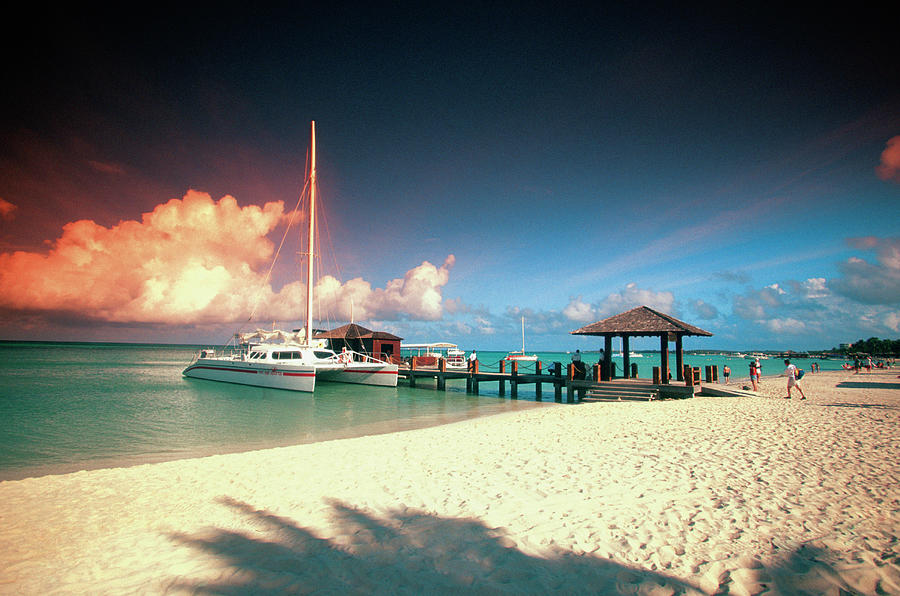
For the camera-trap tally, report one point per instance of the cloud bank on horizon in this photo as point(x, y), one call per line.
point(196, 261)
point(193, 261)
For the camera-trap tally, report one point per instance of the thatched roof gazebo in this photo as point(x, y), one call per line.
point(643, 322)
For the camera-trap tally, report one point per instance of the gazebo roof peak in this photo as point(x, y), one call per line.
point(640, 321)
point(354, 331)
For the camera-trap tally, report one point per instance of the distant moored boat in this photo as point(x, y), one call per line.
point(520, 355)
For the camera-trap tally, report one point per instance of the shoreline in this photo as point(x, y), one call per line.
point(359, 431)
point(744, 494)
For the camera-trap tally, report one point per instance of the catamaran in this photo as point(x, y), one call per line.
point(292, 360)
point(520, 355)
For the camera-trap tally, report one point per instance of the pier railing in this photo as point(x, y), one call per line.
point(578, 383)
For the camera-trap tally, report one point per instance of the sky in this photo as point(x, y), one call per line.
point(738, 169)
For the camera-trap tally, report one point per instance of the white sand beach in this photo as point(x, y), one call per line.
point(741, 495)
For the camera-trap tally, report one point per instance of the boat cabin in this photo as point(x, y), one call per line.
point(281, 353)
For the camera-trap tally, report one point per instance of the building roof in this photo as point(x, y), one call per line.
point(639, 321)
point(354, 331)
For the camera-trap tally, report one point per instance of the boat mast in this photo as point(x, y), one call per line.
point(523, 336)
point(312, 233)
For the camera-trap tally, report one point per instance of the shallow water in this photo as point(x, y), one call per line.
point(72, 406)
point(67, 407)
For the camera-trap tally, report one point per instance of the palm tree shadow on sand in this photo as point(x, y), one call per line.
point(401, 553)
point(406, 552)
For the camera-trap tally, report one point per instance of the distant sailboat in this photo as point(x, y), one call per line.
point(520, 355)
point(295, 361)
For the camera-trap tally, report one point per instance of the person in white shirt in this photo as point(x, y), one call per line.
point(790, 372)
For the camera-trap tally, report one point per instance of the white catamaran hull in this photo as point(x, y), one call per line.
point(383, 375)
point(282, 376)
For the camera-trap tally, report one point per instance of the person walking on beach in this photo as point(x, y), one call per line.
point(727, 373)
point(790, 372)
point(754, 375)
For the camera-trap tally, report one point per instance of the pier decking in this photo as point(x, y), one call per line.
point(564, 387)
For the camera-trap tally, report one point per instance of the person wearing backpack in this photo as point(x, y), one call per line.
point(793, 375)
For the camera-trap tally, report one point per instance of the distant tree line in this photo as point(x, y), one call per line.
point(873, 346)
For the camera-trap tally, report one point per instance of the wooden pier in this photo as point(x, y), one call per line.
point(565, 387)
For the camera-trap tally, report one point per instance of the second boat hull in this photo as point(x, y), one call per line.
point(382, 375)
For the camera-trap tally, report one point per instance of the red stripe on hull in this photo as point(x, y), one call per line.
point(253, 371)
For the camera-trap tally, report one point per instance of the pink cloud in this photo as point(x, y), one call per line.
point(106, 167)
point(417, 295)
point(889, 168)
point(6, 209)
point(168, 267)
point(194, 261)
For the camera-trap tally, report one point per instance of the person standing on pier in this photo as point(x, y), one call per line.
point(473, 357)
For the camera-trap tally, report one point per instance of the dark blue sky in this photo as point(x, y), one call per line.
point(575, 160)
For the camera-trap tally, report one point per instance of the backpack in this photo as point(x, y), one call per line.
point(799, 374)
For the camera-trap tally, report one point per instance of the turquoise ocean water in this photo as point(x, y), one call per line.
point(71, 406)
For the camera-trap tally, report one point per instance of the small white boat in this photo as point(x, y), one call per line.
point(428, 354)
point(283, 360)
point(520, 355)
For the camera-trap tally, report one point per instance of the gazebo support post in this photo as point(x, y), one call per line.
point(679, 358)
point(607, 358)
point(625, 358)
point(664, 358)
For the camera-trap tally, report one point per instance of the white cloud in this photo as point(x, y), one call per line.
point(194, 261)
point(785, 326)
point(862, 303)
point(704, 310)
point(892, 321)
point(629, 297)
point(579, 311)
point(756, 304)
point(871, 283)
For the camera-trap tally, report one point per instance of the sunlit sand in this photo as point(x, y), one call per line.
point(740, 494)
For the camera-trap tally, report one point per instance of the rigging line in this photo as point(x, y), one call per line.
point(278, 250)
point(329, 315)
point(283, 238)
point(337, 266)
